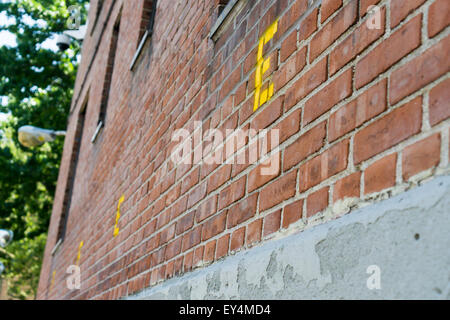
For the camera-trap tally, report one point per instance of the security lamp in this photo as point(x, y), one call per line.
point(64, 39)
point(33, 137)
point(6, 237)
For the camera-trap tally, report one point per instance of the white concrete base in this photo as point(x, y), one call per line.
point(405, 238)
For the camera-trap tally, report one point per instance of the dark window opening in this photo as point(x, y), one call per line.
point(223, 9)
point(72, 174)
point(108, 78)
point(146, 28)
point(221, 5)
point(148, 18)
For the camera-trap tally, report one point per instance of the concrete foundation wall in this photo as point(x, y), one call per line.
point(406, 237)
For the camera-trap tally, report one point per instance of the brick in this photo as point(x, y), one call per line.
point(288, 46)
point(289, 126)
point(198, 256)
point(268, 114)
point(328, 8)
point(264, 172)
point(366, 106)
point(222, 246)
point(355, 43)
point(333, 29)
point(308, 26)
point(281, 189)
point(168, 233)
point(242, 211)
point(173, 249)
point(347, 187)
point(173, 194)
point(206, 209)
point(420, 71)
point(307, 83)
point(389, 130)
point(232, 193)
point(246, 110)
point(237, 239)
point(438, 17)
point(190, 180)
point(214, 226)
point(254, 232)
point(365, 4)
point(185, 223)
point(380, 175)
point(422, 155)
point(324, 166)
point(239, 97)
point(317, 201)
point(170, 269)
point(187, 262)
point(210, 251)
point(272, 223)
point(330, 95)
point(178, 265)
point(304, 146)
point(196, 195)
point(192, 238)
point(401, 9)
point(292, 213)
point(292, 15)
point(219, 177)
point(290, 69)
point(390, 51)
point(439, 107)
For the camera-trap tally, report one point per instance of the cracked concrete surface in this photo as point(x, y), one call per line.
point(407, 237)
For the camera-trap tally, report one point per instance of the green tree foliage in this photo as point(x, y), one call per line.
point(38, 84)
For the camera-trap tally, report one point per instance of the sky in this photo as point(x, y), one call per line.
point(8, 39)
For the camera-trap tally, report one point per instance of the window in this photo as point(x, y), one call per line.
point(72, 174)
point(146, 27)
point(108, 78)
point(225, 9)
point(221, 5)
point(148, 17)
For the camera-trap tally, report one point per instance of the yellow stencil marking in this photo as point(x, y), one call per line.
point(79, 252)
point(262, 66)
point(53, 279)
point(116, 228)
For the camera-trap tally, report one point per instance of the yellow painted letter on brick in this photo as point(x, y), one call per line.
point(79, 253)
point(116, 228)
point(262, 66)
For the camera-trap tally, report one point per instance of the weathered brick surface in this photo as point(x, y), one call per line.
point(421, 155)
point(440, 102)
point(353, 105)
point(438, 17)
point(326, 98)
point(317, 201)
point(366, 106)
point(389, 130)
point(381, 174)
point(420, 71)
point(390, 51)
point(347, 187)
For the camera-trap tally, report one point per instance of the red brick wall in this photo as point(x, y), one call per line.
point(363, 114)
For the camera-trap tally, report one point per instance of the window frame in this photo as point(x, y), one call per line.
point(222, 19)
point(71, 177)
point(148, 34)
